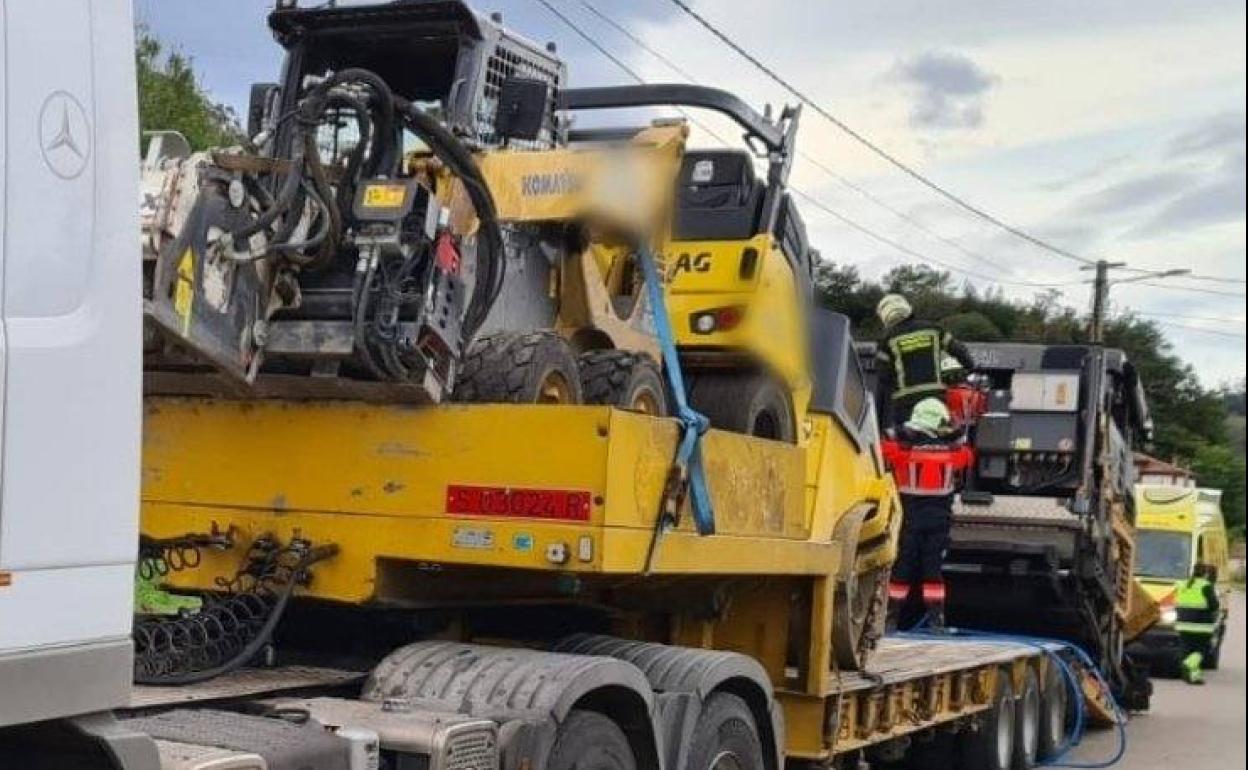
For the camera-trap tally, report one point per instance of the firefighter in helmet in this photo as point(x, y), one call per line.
point(910, 359)
point(927, 454)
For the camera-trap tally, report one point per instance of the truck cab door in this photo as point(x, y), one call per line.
point(70, 305)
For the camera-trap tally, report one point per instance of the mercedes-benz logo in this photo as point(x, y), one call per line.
point(64, 135)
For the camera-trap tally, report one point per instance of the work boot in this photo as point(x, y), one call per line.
point(934, 603)
point(1193, 672)
point(898, 593)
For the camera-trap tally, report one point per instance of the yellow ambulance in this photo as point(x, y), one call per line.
point(1176, 529)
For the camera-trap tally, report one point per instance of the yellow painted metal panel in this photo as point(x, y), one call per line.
point(374, 480)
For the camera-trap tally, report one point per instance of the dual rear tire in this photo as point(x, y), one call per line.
point(1021, 727)
point(991, 746)
point(726, 737)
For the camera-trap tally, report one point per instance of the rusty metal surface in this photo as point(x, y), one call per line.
point(244, 683)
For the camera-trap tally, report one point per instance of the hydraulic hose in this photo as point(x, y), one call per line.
point(1069, 677)
point(490, 256)
point(378, 117)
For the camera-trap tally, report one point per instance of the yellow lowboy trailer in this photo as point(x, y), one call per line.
point(480, 512)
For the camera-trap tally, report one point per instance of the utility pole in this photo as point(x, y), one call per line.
point(1100, 299)
point(1100, 292)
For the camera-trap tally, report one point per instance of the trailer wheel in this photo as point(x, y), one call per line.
point(1027, 722)
point(726, 736)
point(991, 746)
point(1054, 713)
point(588, 740)
point(753, 404)
point(509, 368)
point(936, 752)
point(624, 379)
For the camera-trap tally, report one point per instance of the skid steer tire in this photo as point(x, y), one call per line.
point(509, 368)
point(749, 403)
point(588, 740)
point(623, 379)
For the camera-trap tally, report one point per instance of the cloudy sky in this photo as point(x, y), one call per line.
point(1113, 128)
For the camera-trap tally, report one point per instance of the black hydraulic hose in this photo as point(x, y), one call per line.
point(285, 197)
point(364, 124)
point(315, 240)
point(280, 597)
point(490, 258)
point(320, 185)
point(382, 158)
point(359, 326)
point(308, 117)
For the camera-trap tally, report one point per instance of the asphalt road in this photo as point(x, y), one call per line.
point(1189, 728)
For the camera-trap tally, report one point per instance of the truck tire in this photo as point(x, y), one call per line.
point(1054, 713)
point(510, 368)
point(726, 736)
point(938, 752)
point(991, 746)
point(588, 740)
point(623, 379)
point(753, 404)
point(1027, 715)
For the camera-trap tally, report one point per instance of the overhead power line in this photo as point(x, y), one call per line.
point(892, 160)
point(865, 141)
point(1195, 289)
point(636, 76)
point(815, 202)
point(848, 222)
point(1182, 317)
point(827, 170)
point(1196, 276)
point(1201, 329)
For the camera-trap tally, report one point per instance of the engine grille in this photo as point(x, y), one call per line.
point(469, 747)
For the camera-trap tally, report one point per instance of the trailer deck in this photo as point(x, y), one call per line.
point(912, 685)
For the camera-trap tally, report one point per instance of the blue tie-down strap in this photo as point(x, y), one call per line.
point(687, 467)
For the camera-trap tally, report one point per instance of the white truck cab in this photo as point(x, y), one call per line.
point(70, 356)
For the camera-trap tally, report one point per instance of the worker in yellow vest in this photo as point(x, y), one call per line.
point(1198, 605)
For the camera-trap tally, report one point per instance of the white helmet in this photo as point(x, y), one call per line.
point(892, 310)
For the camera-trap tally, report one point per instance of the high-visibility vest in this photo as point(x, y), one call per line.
point(1195, 614)
point(914, 352)
point(930, 471)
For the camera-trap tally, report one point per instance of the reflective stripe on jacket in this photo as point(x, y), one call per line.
point(1196, 603)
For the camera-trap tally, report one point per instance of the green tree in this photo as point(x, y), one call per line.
point(1218, 467)
point(171, 99)
point(973, 326)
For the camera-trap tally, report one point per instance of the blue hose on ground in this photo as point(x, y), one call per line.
point(1069, 677)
